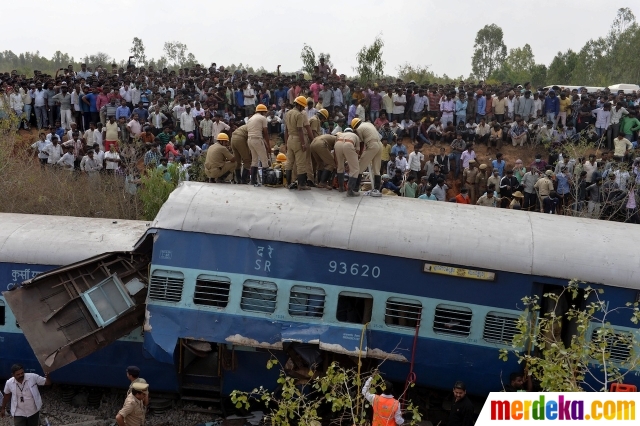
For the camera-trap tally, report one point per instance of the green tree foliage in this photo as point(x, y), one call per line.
point(98, 59)
point(561, 367)
point(370, 62)
point(157, 185)
point(561, 68)
point(176, 53)
point(308, 58)
point(138, 52)
point(489, 51)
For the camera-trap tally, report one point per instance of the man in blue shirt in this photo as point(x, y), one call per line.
point(481, 105)
point(499, 164)
point(552, 107)
point(143, 114)
point(398, 147)
point(280, 96)
point(123, 111)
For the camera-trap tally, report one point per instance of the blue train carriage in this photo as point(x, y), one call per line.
point(30, 247)
point(239, 273)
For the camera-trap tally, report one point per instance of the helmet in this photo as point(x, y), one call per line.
point(301, 100)
point(348, 129)
point(281, 157)
point(261, 108)
point(355, 122)
point(222, 137)
point(324, 113)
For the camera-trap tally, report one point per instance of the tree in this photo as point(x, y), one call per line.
point(568, 365)
point(97, 59)
point(176, 53)
point(489, 51)
point(308, 59)
point(138, 52)
point(562, 67)
point(370, 62)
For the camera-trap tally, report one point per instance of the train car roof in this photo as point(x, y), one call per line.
point(60, 240)
point(493, 239)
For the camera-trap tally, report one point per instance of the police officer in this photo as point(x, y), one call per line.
point(345, 149)
point(372, 154)
point(321, 148)
point(469, 176)
point(294, 138)
point(258, 141)
point(241, 153)
point(219, 162)
point(133, 410)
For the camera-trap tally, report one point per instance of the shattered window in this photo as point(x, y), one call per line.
point(306, 301)
point(107, 300)
point(259, 296)
point(354, 307)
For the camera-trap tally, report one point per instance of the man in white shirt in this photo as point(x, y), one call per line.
point(187, 122)
point(415, 161)
point(112, 159)
point(399, 101)
point(54, 151)
point(67, 161)
point(90, 164)
point(401, 162)
point(218, 126)
point(40, 147)
point(249, 99)
point(125, 93)
point(134, 126)
point(22, 391)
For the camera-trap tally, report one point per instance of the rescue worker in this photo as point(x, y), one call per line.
point(345, 149)
point(321, 148)
point(133, 374)
point(219, 162)
point(241, 153)
point(372, 154)
point(386, 409)
point(294, 139)
point(258, 141)
point(315, 129)
point(133, 410)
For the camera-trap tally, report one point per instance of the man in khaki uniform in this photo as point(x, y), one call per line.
point(345, 149)
point(469, 176)
point(481, 179)
point(315, 125)
point(372, 154)
point(133, 374)
point(241, 153)
point(544, 185)
point(219, 162)
point(295, 140)
point(133, 411)
point(494, 179)
point(488, 199)
point(321, 148)
point(258, 139)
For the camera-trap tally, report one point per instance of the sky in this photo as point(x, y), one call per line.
point(438, 34)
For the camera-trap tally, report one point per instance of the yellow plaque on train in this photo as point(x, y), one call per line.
point(459, 272)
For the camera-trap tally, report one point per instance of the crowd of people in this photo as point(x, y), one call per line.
point(331, 132)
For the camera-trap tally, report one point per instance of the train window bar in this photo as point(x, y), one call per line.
point(259, 296)
point(618, 344)
point(500, 328)
point(402, 312)
point(306, 301)
point(107, 300)
point(452, 320)
point(354, 308)
point(212, 290)
point(2, 313)
point(166, 286)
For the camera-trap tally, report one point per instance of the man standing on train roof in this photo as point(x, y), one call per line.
point(133, 374)
point(386, 409)
point(258, 141)
point(462, 409)
point(372, 154)
point(346, 149)
point(295, 143)
point(22, 391)
point(133, 410)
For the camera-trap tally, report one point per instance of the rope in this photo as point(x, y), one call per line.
point(358, 394)
point(411, 378)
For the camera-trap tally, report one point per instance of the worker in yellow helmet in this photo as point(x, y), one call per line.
point(346, 149)
point(219, 162)
point(321, 148)
point(372, 155)
point(315, 125)
point(241, 153)
point(294, 137)
point(258, 141)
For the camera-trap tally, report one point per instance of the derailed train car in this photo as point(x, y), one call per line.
point(237, 275)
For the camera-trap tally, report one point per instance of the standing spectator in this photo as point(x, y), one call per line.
point(22, 391)
point(52, 108)
point(399, 101)
point(415, 161)
point(39, 103)
point(375, 103)
point(552, 107)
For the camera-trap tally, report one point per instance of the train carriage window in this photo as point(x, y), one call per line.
point(354, 308)
point(402, 312)
point(500, 328)
point(107, 300)
point(2, 313)
point(166, 286)
point(618, 344)
point(306, 301)
point(452, 320)
point(259, 296)
point(212, 290)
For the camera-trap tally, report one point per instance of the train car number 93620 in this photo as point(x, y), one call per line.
point(354, 269)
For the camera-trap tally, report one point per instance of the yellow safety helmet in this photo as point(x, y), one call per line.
point(355, 123)
point(281, 158)
point(324, 113)
point(301, 100)
point(222, 137)
point(261, 108)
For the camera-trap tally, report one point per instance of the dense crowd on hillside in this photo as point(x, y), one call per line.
point(93, 121)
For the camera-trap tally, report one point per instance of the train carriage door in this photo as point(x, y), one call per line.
point(567, 328)
point(200, 374)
